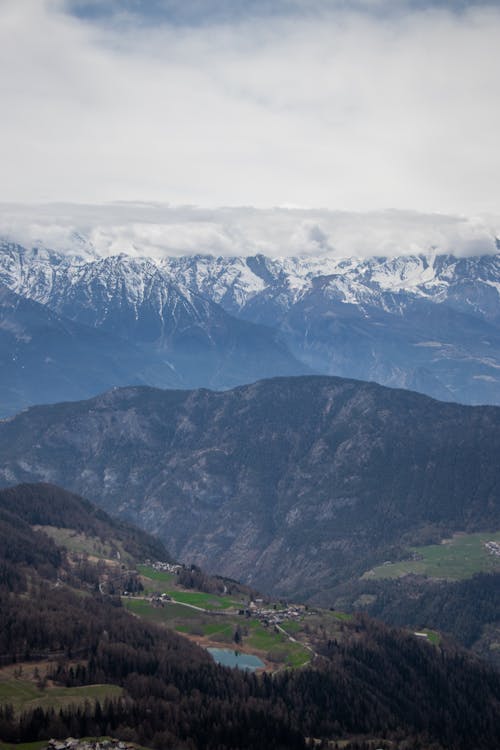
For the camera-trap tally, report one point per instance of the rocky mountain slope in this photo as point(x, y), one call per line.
point(466, 284)
point(45, 357)
point(428, 323)
point(290, 484)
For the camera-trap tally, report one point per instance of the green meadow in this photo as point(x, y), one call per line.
point(23, 692)
point(459, 557)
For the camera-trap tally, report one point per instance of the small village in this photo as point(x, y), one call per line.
point(256, 609)
point(89, 744)
point(164, 567)
point(274, 616)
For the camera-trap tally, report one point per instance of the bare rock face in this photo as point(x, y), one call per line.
point(291, 484)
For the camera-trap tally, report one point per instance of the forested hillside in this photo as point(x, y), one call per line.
point(370, 682)
point(292, 484)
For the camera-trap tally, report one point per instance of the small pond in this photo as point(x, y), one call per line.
point(230, 658)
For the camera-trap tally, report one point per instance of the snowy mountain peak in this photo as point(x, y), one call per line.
point(423, 321)
point(235, 282)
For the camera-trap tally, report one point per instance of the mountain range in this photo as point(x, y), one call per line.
point(426, 323)
point(70, 331)
point(294, 485)
point(46, 357)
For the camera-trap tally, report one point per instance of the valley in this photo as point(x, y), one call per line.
point(250, 375)
point(120, 636)
point(211, 619)
point(342, 500)
point(239, 623)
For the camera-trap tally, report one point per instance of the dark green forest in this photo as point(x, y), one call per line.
point(467, 610)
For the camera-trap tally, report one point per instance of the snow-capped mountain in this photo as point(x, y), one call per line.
point(469, 284)
point(426, 322)
point(183, 339)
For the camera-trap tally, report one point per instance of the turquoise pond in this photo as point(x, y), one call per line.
point(230, 658)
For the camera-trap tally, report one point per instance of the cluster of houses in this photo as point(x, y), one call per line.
point(493, 548)
point(98, 744)
point(158, 600)
point(256, 609)
point(272, 616)
point(164, 567)
point(267, 616)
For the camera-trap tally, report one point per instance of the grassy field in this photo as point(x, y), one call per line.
point(275, 644)
point(156, 576)
point(291, 627)
point(221, 629)
point(263, 639)
point(194, 598)
point(213, 627)
point(459, 557)
point(23, 692)
point(205, 601)
point(433, 636)
point(166, 614)
point(83, 544)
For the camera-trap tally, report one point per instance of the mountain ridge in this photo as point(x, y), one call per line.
point(291, 483)
point(424, 322)
point(128, 324)
point(47, 357)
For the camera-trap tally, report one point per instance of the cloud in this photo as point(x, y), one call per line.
point(156, 230)
point(345, 109)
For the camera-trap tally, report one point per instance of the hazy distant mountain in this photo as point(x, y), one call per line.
point(428, 323)
point(92, 325)
point(292, 483)
point(45, 357)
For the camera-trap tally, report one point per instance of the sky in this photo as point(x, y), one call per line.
point(344, 107)
point(362, 105)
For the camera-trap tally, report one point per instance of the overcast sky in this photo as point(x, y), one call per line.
point(358, 106)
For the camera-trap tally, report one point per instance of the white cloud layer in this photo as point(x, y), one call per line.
point(348, 110)
point(156, 230)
